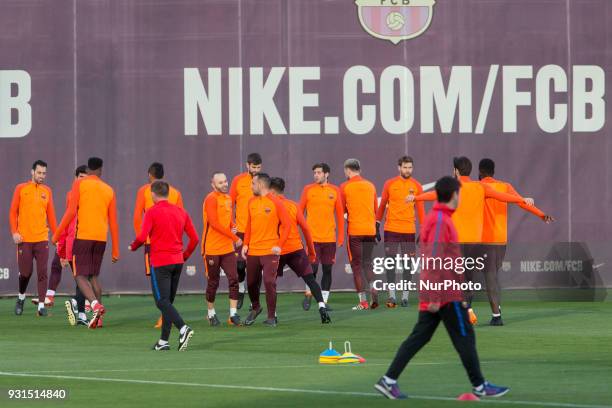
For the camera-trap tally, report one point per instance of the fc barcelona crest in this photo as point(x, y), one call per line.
point(395, 20)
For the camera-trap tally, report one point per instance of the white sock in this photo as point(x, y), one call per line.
point(480, 387)
point(405, 295)
point(325, 295)
point(162, 342)
point(362, 297)
point(321, 304)
point(41, 305)
point(183, 329)
point(21, 296)
point(389, 380)
point(496, 314)
point(50, 292)
point(82, 316)
point(211, 312)
point(392, 293)
point(307, 289)
point(241, 287)
point(233, 311)
point(94, 303)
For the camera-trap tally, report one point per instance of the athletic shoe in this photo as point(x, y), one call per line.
point(99, 325)
point(75, 306)
point(325, 319)
point(404, 303)
point(19, 307)
point(362, 305)
point(42, 312)
point(240, 300)
point(161, 347)
point(490, 390)
point(391, 304)
point(306, 302)
point(87, 306)
point(374, 304)
point(234, 320)
point(270, 322)
point(472, 316)
point(391, 391)
point(214, 321)
point(158, 324)
point(252, 316)
point(496, 321)
point(70, 313)
point(98, 311)
point(184, 339)
point(82, 322)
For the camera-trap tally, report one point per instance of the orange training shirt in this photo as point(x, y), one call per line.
point(401, 217)
point(495, 226)
point(294, 240)
point(93, 202)
point(217, 238)
point(144, 201)
point(268, 225)
point(241, 192)
point(469, 215)
point(32, 212)
point(321, 202)
point(361, 204)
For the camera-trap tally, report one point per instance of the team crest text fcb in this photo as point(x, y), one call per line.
point(395, 20)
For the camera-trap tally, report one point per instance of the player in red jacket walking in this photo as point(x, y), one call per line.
point(441, 303)
point(164, 224)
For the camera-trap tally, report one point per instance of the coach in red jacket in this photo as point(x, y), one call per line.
point(440, 298)
point(165, 224)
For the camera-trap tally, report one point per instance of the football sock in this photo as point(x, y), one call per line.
point(233, 311)
point(41, 305)
point(21, 296)
point(94, 303)
point(392, 293)
point(496, 314)
point(405, 295)
point(321, 304)
point(325, 295)
point(211, 312)
point(50, 292)
point(241, 287)
point(362, 297)
point(389, 380)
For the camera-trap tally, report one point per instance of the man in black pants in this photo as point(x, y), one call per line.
point(164, 224)
point(441, 303)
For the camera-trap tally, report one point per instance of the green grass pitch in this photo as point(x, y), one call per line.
point(549, 353)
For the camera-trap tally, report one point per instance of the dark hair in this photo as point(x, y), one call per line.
point(94, 163)
point(323, 166)
point(265, 178)
point(38, 163)
point(404, 159)
point(157, 170)
point(80, 170)
point(463, 165)
point(445, 187)
point(486, 167)
point(277, 184)
point(352, 164)
point(254, 158)
point(160, 188)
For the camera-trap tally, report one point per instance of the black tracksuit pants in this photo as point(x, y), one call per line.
point(455, 319)
point(164, 282)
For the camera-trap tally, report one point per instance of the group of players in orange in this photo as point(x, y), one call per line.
point(252, 232)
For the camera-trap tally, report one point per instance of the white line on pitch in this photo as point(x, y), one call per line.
point(290, 390)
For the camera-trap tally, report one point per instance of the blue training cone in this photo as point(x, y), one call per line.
point(329, 355)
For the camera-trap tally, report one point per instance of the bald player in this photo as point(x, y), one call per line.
point(293, 254)
point(218, 247)
point(144, 201)
point(93, 203)
point(322, 203)
point(400, 222)
point(468, 218)
point(360, 204)
point(30, 217)
point(495, 234)
point(267, 229)
point(241, 192)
